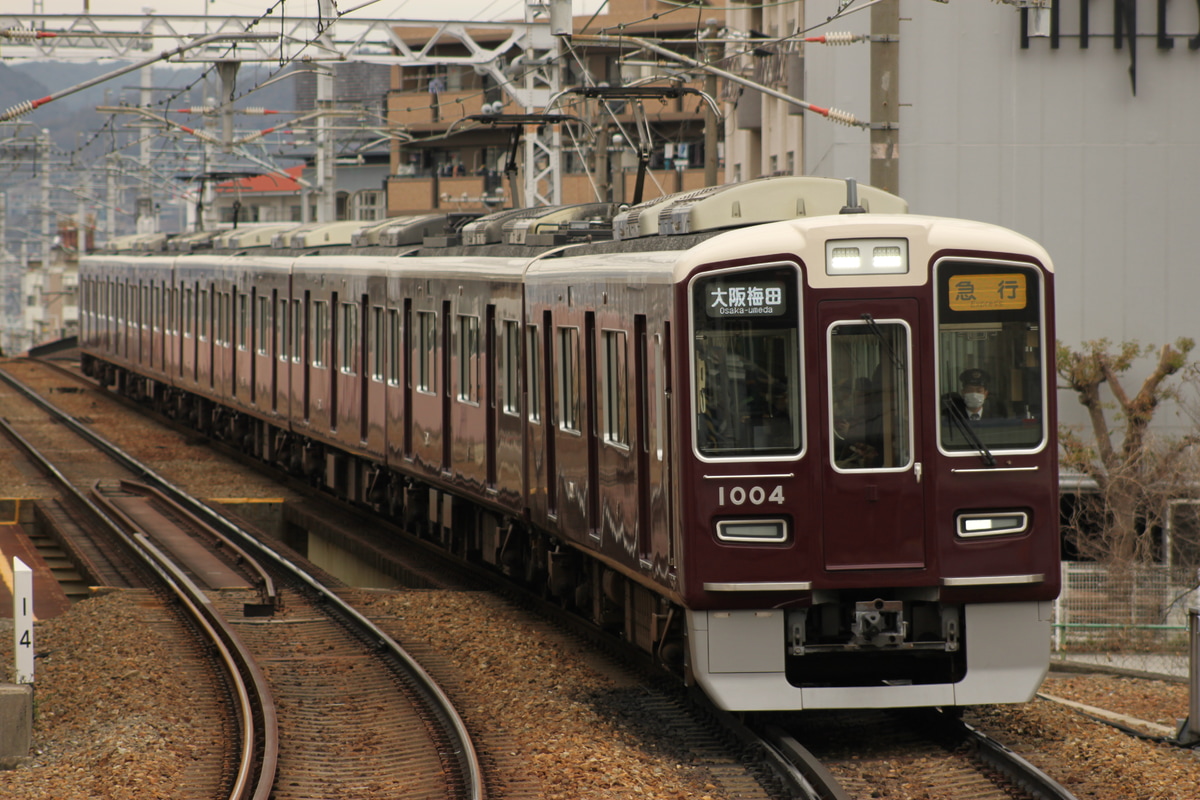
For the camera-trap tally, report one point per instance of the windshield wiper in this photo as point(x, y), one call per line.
point(873, 327)
point(963, 424)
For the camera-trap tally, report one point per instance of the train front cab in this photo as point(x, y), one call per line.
point(884, 549)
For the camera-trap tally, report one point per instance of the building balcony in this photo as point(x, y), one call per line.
point(419, 194)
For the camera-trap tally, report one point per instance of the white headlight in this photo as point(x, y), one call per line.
point(752, 530)
point(997, 524)
point(866, 256)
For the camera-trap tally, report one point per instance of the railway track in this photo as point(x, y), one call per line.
point(361, 717)
point(922, 753)
point(933, 766)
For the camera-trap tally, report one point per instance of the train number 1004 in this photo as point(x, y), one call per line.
point(755, 496)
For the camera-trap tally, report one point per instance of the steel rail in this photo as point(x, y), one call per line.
point(265, 582)
point(256, 765)
point(1021, 772)
point(439, 704)
point(824, 784)
point(256, 770)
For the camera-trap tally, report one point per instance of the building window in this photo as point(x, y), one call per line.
point(367, 205)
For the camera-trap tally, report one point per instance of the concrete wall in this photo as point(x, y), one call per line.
point(1050, 142)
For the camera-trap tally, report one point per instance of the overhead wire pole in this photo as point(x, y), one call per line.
point(833, 114)
point(543, 48)
point(47, 214)
point(525, 63)
point(146, 221)
point(885, 90)
point(711, 119)
point(112, 196)
point(326, 153)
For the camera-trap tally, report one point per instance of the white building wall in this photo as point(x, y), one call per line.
point(1051, 143)
point(776, 146)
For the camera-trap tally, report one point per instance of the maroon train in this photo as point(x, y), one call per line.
point(730, 425)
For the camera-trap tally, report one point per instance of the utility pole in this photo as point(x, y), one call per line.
point(47, 212)
point(543, 49)
point(112, 194)
point(147, 220)
point(326, 150)
point(326, 185)
point(711, 134)
point(885, 94)
point(81, 211)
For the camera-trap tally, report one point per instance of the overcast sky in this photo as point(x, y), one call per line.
point(383, 9)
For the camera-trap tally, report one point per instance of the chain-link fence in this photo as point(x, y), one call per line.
point(1130, 617)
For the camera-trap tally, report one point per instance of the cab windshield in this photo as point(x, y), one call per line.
point(990, 357)
point(746, 364)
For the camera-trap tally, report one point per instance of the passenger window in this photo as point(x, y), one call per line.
point(394, 343)
point(468, 359)
point(746, 363)
point(990, 357)
point(533, 372)
point(320, 333)
point(568, 379)
point(511, 366)
point(426, 355)
point(348, 360)
point(262, 327)
point(870, 425)
point(616, 391)
point(284, 331)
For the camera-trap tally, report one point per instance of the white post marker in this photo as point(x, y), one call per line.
point(1189, 730)
point(23, 620)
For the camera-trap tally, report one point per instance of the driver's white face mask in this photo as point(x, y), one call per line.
point(974, 399)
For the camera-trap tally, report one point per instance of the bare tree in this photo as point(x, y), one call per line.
point(1136, 471)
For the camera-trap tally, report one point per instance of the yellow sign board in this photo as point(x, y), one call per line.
point(998, 292)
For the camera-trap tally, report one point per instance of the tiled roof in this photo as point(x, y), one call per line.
point(273, 183)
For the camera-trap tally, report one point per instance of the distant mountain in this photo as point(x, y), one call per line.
point(17, 85)
point(73, 118)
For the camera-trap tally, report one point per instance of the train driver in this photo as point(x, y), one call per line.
point(975, 395)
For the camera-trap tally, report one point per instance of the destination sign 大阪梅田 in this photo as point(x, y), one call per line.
point(746, 299)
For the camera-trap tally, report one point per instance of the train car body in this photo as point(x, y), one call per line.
point(805, 457)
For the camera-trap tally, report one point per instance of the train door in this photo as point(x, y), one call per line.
point(871, 487)
point(187, 333)
point(372, 407)
point(489, 393)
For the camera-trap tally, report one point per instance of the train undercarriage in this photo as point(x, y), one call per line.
point(535, 559)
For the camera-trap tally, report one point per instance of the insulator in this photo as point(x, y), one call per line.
point(844, 117)
point(24, 107)
point(840, 38)
point(19, 33)
point(254, 110)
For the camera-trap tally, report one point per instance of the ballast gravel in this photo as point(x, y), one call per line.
point(110, 718)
